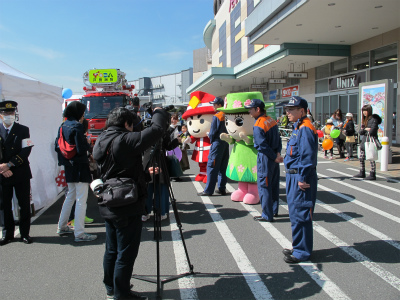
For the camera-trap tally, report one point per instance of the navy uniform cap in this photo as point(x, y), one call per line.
point(8, 105)
point(218, 100)
point(255, 103)
point(297, 101)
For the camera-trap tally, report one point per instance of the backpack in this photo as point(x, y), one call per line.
point(67, 150)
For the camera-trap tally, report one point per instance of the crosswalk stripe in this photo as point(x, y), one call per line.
point(329, 287)
point(359, 203)
point(369, 182)
point(395, 202)
point(358, 256)
point(254, 281)
point(186, 284)
point(360, 225)
point(379, 176)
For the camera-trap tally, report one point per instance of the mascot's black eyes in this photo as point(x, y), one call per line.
point(190, 123)
point(239, 121)
point(201, 121)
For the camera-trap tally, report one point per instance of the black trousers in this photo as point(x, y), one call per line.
point(22, 191)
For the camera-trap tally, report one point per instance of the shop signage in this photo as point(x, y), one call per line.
point(277, 80)
point(302, 75)
point(290, 91)
point(346, 82)
point(272, 94)
point(258, 86)
point(232, 4)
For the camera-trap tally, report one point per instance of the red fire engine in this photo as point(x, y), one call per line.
point(105, 90)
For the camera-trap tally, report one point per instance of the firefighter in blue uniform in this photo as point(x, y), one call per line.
point(219, 153)
point(268, 143)
point(15, 172)
point(301, 180)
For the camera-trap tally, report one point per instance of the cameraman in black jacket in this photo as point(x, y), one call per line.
point(123, 224)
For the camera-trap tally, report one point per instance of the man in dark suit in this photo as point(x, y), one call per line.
point(15, 172)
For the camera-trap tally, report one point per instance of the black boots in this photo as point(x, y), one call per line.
point(360, 175)
point(372, 176)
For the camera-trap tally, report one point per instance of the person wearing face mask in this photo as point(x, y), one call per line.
point(15, 173)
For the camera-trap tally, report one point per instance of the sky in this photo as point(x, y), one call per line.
point(56, 41)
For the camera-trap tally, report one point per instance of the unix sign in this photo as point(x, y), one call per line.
point(346, 82)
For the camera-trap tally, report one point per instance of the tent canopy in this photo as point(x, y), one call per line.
point(39, 109)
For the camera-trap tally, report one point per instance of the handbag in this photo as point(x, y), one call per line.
point(67, 150)
point(350, 139)
point(116, 192)
point(371, 152)
point(173, 166)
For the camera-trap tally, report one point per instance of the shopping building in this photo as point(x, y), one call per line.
point(322, 50)
point(166, 89)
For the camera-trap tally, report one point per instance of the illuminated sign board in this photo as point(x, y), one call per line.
point(301, 75)
point(103, 76)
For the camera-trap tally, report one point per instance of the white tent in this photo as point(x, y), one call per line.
point(39, 109)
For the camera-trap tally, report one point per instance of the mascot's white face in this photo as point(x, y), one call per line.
point(237, 123)
point(199, 125)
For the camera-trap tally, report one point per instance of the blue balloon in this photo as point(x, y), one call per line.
point(66, 93)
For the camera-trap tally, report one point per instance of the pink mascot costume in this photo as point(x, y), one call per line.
point(198, 117)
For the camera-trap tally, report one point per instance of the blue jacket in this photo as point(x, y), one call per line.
point(217, 127)
point(266, 136)
point(302, 149)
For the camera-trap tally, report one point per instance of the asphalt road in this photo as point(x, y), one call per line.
point(356, 248)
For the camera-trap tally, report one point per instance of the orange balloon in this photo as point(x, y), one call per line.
point(327, 144)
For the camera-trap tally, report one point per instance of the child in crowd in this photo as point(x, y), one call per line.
point(327, 135)
point(349, 131)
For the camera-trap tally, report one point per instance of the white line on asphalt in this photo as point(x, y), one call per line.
point(395, 202)
point(319, 162)
point(357, 223)
point(358, 256)
point(311, 269)
point(379, 176)
point(362, 204)
point(360, 225)
point(254, 281)
point(187, 287)
point(369, 182)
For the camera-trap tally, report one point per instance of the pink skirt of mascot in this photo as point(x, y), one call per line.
point(198, 118)
point(242, 165)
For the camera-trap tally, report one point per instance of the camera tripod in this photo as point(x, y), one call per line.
point(157, 160)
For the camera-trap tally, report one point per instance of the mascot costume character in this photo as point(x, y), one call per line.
point(242, 165)
point(198, 118)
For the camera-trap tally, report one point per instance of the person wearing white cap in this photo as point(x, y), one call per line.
point(327, 135)
point(349, 132)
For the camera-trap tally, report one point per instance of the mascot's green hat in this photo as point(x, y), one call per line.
point(235, 102)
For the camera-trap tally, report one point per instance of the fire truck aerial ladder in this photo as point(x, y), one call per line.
point(105, 90)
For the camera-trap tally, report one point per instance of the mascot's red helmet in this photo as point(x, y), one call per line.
point(199, 104)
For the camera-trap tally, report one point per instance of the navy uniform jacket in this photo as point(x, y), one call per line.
point(217, 127)
point(302, 150)
point(14, 152)
point(266, 137)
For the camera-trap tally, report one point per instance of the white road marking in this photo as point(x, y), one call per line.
point(329, 287)
point(358, 256)
point(256, 285)
point(359, 203)
point(395, 202)
point(397, 190)
point(187, 287)
point(379, 176)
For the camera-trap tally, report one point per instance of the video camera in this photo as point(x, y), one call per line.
point(149, 113)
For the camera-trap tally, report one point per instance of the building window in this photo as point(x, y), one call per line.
point(360, 61)
point(339, 67)
point(321, 86)
point(322, 71)
point(384, 55)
